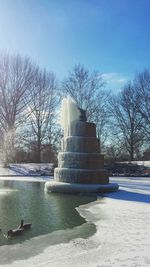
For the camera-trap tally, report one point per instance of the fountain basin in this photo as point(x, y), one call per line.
point(86, 176)
point(73, 188)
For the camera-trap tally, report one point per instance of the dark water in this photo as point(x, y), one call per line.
point(46, 212)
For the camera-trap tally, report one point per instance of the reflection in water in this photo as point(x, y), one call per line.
point(7, 183)
point(46, 212)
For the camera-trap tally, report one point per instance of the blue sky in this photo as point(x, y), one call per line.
point(110, 36)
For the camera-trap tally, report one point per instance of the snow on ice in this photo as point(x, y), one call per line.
point(121, 240)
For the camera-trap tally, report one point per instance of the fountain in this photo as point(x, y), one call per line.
point(80, 164)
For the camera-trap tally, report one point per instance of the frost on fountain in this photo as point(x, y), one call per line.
point(69, 113)
point(80, 160)
point(80, 164)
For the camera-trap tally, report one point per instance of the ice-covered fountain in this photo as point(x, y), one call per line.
point(80, 164)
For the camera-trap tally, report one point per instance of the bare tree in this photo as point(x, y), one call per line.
point(16, 77)
point(88, 91)
point(141, 86)
point(127, 122)
point(84, 87)
point(115, 152)
point(102, 117)
point(42, 107)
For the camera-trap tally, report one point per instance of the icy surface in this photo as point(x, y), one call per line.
point(122, 236)
point(27, 172)
point(69, 113)
point(141, 163)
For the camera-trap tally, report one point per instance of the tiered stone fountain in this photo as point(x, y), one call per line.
point(80, 164)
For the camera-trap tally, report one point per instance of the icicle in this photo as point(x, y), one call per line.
point(69, 113)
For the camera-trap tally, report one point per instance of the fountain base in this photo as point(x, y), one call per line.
point(80, 163)
point(61, 187)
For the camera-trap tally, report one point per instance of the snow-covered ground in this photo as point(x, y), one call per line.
point(27, 169)
point(145, 163)
point(122, 237)
point(27, 172)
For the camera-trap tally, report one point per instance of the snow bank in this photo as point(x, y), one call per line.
point(145, 163)
point(122, 236)
point(22, 171)
point(32, 168)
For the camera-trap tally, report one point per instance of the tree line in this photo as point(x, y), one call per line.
point(30, 100)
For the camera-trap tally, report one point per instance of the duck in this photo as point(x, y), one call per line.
point(14, 232)
point(25, 226)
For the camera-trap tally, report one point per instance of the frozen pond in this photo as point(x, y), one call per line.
point(50, 214)
point(120, 238)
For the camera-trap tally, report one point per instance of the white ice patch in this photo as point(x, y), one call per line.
point(69, 113)
point(122, 237)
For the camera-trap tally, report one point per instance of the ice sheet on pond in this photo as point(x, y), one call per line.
point(121, 239)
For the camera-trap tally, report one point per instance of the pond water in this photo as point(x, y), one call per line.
point(48, 213)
